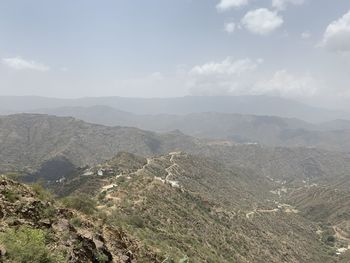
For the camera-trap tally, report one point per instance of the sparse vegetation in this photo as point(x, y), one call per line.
point(41, 192)
point(76, 221)
point(214, 213)
point(27, 245)
point(136, 221)
point(10, 196)
point(82, 203)
point(101, 196)
point(102, 258)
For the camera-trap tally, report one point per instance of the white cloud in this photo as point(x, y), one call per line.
point(261, 21)
point(305, 35)
point(19, 63)
point(243, 77)
point(225, 5)
point(230, 27)
point(282, 4)
point(229, 66)
point(337, 35)
point(288, 85)
point(156, 76)
point(222, 78)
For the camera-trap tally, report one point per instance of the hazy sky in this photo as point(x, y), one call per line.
point(160, 48)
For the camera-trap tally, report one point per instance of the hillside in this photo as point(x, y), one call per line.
point(52, 147)
point(189, 205)
point(266, 130)
point(292, 165)
point(219, 202)
point(29, 140)
point(35, 228)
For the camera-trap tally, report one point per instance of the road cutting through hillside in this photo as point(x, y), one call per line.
point(343, 236)
point(340, 234)
point(143, 168)
point(284, 208)
point(261, 211)
point(168, 170)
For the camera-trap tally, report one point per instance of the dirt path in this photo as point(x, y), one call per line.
point(341, 235)
point(169, 172)
point(143, 168)
point(250, 214)
point(284, 208)
point(260, 211)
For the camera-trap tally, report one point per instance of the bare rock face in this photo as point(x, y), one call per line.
point(88, 241)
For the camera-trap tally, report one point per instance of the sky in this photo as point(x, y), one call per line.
point(297, 49)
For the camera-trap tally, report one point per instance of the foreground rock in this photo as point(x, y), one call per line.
point(69, 235)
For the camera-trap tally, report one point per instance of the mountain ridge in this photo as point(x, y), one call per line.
point(260, 105)
point(238, 128)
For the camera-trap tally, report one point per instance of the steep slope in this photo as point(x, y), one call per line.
point(34, 228)
point(27, 141)
point(189, 205)
point(328, 205)
point(52, 147)
point(179, 204)
point(281, 163)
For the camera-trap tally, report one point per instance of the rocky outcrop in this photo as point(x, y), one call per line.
point(81, 238)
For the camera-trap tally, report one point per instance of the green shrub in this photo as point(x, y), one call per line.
point(76, 221)
point(121, 180)
point(27, 245)
point(49, 212)
point(13, 175)
point(42, 193)
point(137, 221)
point(10, 196)
point(102, 258)
point(101, 196)
point(330, 240)
point(82, 203)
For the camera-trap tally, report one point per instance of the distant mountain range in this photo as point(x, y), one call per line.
point(32, 141)
point(253, 105)
point(28, 140)
point(237, 128)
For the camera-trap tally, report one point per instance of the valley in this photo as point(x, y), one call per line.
point(187, 198)
point(182, 131)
